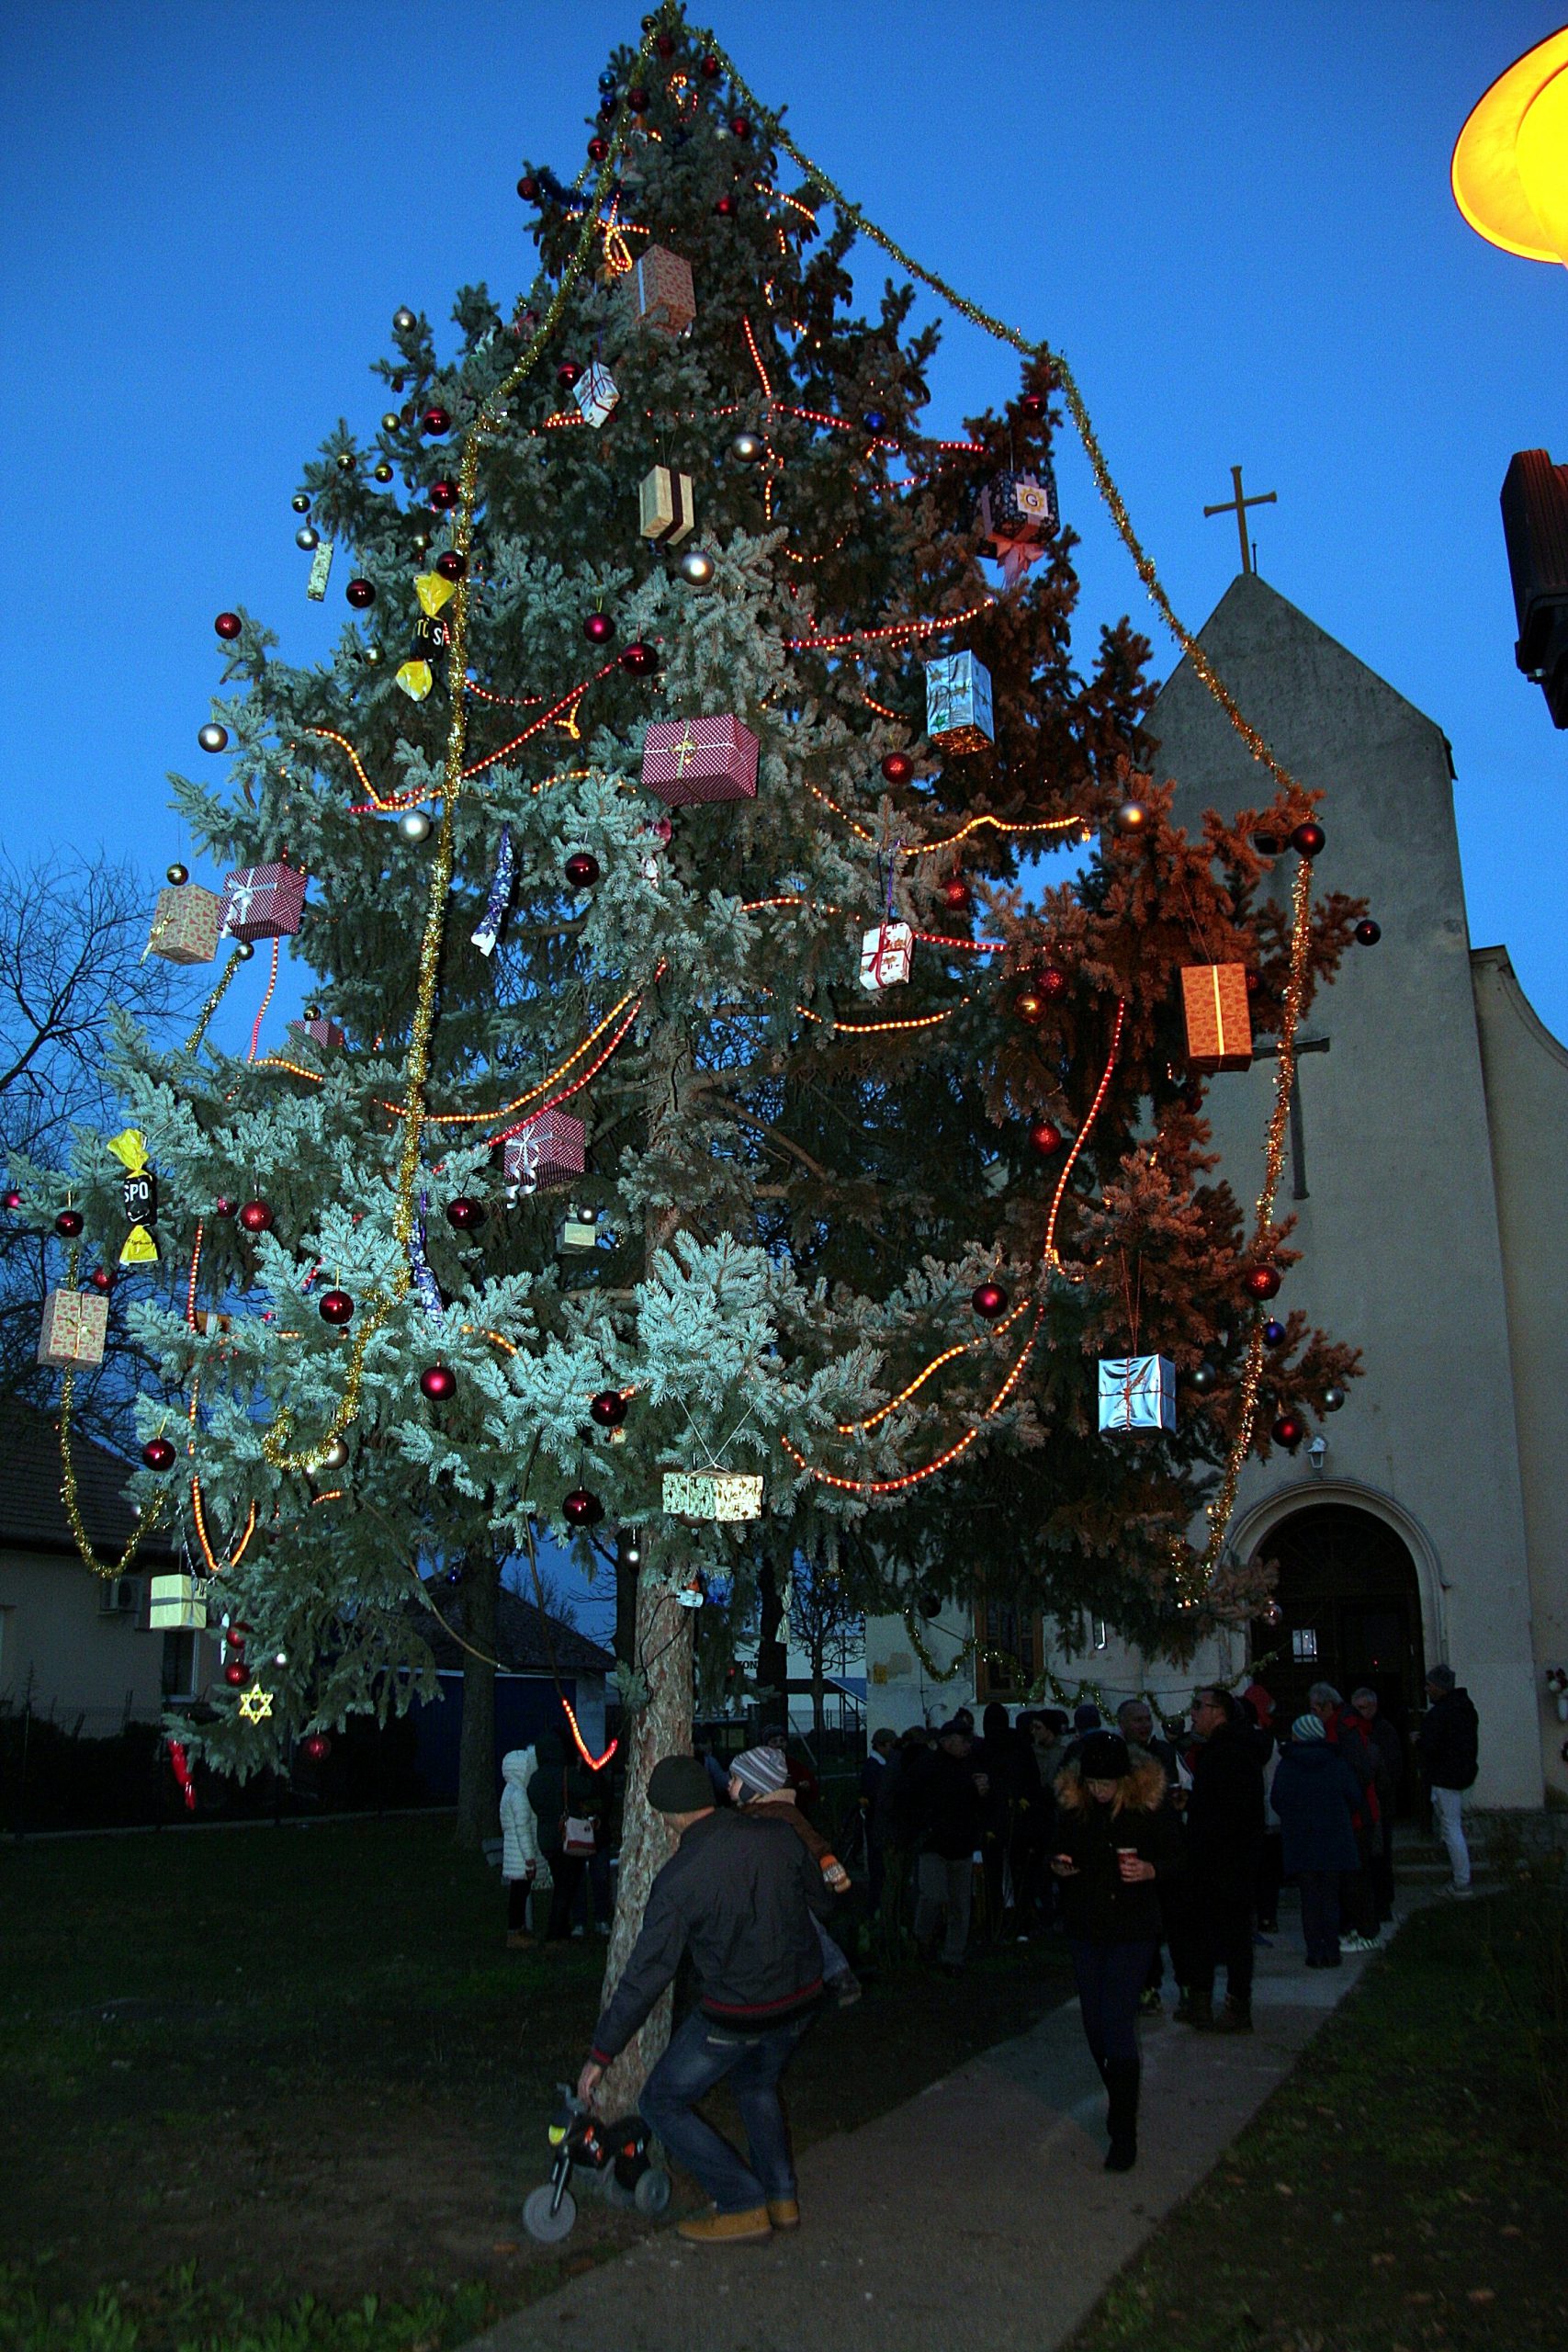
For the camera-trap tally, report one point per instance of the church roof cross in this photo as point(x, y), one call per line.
point(1237, 506)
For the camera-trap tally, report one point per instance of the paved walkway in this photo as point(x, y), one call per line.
point(977, 2214)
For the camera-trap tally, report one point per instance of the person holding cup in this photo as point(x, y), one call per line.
point(1117, 1844)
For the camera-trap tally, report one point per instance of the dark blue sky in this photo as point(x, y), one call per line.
point(1234, 220)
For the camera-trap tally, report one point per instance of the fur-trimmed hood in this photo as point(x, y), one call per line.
point(1141, 1790)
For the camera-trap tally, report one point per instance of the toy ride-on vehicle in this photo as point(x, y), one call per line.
point(615, 2155)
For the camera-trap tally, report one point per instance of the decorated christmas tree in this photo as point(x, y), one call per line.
point(710, 1126)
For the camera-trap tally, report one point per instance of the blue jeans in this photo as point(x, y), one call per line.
point(1109, 1979)
point(701, 2053)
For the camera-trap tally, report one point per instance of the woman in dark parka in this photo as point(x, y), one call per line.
point(1317, 1794)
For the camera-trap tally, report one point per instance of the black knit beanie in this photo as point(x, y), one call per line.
point(679, 1784)
point(1103, 1757)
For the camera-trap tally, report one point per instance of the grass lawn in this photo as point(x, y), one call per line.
point(1406, 2189)
point(239, 2068)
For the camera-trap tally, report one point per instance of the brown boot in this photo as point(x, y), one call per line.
point(727, 2229)
point(783, 2212)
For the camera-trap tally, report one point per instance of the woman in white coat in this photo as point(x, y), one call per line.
point(523, 1866)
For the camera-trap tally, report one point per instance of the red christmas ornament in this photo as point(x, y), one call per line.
point(528, 188)
point(608, 1408)
point(451, 565)
point(235, 1637)
point(438, 1382)
point(465, 1215)
point(597, 150)
point(665, 44)
point(598, 628)
point(1309, 840)
point(335, 1306)
point(1368, 933)
point(1052, 983)
point(639, 659)
point(710, 69)
point(1288, 1432)
point(360, 594)
point(739, 127)
point(567, 374)
point(581, 869)
point(227, 625)
point(223, 1206)
point(443, 496)
point(580, 1508)
point(13, 1198)
point(158, 1453)
point(102, 1280)
point(1032, 404)
point(638, 100)
point(1261, 1282)
point(955, 896)
point(898, 767)
point(315, 1747)
point(437, 421)
point(68, 1224)
point(1029, 1004)
point(725, 207)
point(1045, 1137)
point(256, 1217)
point(234, 1675)
point(988, 1300)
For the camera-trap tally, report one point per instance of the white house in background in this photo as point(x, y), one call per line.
point(1426, 1169)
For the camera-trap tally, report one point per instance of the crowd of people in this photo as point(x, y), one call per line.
point(1131, 1842)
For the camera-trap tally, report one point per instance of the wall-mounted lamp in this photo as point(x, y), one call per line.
point(1316, 1452)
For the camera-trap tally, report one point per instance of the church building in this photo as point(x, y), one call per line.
point(1425, 1172)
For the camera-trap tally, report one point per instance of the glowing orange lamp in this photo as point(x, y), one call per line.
point(1510, 162)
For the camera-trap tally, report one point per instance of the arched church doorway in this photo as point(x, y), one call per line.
point(1352, 1614)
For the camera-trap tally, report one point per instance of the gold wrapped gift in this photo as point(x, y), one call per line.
point(175, 1606)
point(713, 1494)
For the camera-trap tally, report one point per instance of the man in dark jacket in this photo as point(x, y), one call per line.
point(873, 1796)
point(1224, 1835)
point(1388, 1750)
point(1449, 1746)
point(1344, 1729)
point(738, 1894)
point(945, 1802)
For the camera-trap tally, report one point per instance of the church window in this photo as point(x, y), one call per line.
point(1304, 1644)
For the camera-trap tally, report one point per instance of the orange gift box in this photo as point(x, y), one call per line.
point(1219, 1022)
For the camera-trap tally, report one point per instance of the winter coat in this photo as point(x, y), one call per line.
point(1316, 1796)
point(1390, 1747)
point(1224, 1811)
point(1098, 1903)
point(781, 1806)
point(945, 1806)
point(740, 1896)
point(1450, 1741)
point(519, 1831)
point(558, 1787)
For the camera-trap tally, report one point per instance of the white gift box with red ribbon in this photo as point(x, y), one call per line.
point(885, 955)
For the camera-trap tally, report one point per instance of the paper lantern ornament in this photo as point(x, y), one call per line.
point(1137, 1393)
point(713, 1494)
point(550, 1150)
point(662, 294)
point(885, 955)
point(692, 759)
point(185, 923)
point(958, 703)
point(1219, 1021)
point(264, 901)
point(665, 510)
point(76, 1325)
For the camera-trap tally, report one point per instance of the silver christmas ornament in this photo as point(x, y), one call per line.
point(307, 539)
point(405, 321)
point(336, 1455)
point(176, 874)
point(213, 738)
point(372, 654)
point(414, 826)
point(1132, 817)
point(749, 447)
point(1332, 1399)
point(244, 949)
point(302, 502)
point(696, 568)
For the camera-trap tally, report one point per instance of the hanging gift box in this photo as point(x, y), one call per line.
point(174, 1605)
point(958, 703)
point(595, 394)
point(550, 1150)
point(665, 508)
point(320, 572)
point(885, 955)
point(264, 901)
point(207, 1320)
point(185, 923)
point(576, 1234)
point(326, 1033)
point(713, 1494)
point(662, 293)
point(1219, 1019)
point(1137, 1393)
point(1020, 507)
point(692, 759)
point(75, 1326)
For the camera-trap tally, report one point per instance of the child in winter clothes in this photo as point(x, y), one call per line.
point(520, 1866)
point(759, 1780)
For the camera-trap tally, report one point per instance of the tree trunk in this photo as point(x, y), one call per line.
point(661, 1728)
point(476, 1816)
point(625, 1596)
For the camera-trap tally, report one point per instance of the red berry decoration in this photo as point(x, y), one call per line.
point(598, 628)
point(437, 421)
point(725, 207)
point(988, 1300)
point(739, 127)
point(1309, 840)
point(102, 1280)
point(1368, 933)
point(465, 1215)
point(227, 625)
point(956, 896)
point(224, 1206)
point(639, 659)
point(360, 593)
point(335, 1306)
point(580, 1508)
point(158, 1453)
point(1261, 1282)
point(315, 1747)
point(710, 69)
point(438, 1382)
point(68, 1224)
point(1045, 1137)
point(608, 1408)
point(443, 496)
point(451, 565)
point(898, 767)
point(581, 869)
point(597, 150)
point(528, 188)
point(567, 374)
point(1288, 1432)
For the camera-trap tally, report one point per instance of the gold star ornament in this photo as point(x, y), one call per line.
point(256, 1704)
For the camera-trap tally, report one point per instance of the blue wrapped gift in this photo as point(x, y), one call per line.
point(958, 703)
point(1137, 1393)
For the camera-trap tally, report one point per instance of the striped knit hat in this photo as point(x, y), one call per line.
point(1308, 1727)
point(759, 1771)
